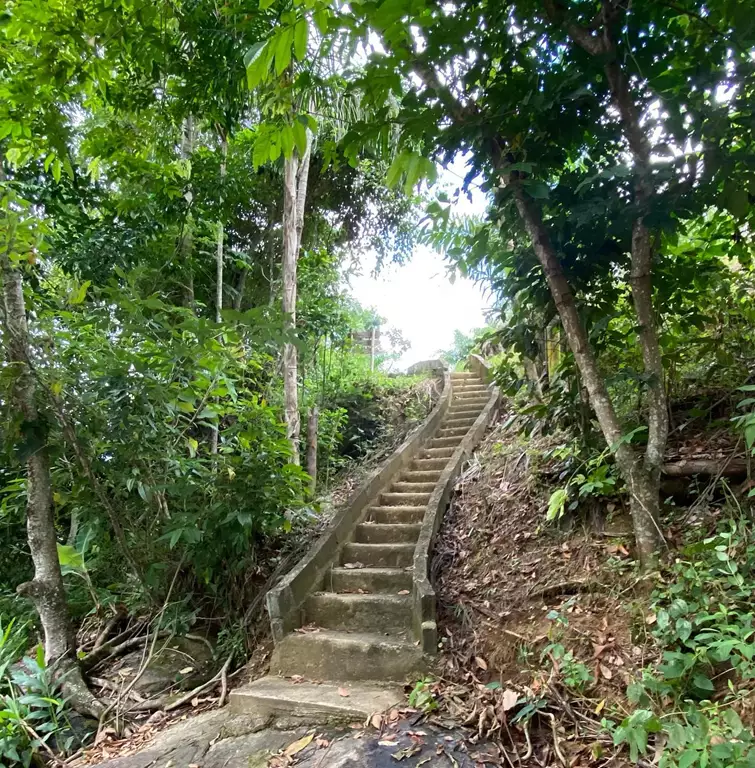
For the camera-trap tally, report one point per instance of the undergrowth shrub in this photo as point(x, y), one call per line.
point(702, 622)
point(33, 719)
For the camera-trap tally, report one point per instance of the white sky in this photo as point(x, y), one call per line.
point(419, 298)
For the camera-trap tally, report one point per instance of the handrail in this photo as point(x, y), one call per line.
point(423, 594)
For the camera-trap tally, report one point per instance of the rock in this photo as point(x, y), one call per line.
point(182, 663)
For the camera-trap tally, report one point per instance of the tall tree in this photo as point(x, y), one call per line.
point(561, 107)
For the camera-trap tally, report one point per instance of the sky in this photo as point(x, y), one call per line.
point(419, 298)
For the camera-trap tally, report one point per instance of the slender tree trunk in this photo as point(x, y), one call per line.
point(645, 486)
point(187, 235)
point(219, 259)
point(312, 432)
point(295, 179)
point(644, 493)
point(219, 255)
point(46, 589)
point(302, 180)
point(240, 285)
point(290, 254)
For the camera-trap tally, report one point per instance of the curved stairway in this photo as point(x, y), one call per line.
point(358, 628)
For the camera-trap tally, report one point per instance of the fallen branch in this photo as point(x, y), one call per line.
point(108, 650)
point(733, 467)
point(221, 675)
point(110, 625)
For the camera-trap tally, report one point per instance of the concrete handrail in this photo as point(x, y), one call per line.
point(285, 601)
point(423, 593)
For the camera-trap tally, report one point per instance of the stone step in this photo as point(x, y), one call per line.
point(463, 410)
point(404, 499)
point(469, 384)
point(387, 533)
point(453, 432)
point(463, 375)
point(300, 703)
point(413, 487)
point(360, 613)
point(332, 655)
point(471, 398)
point(459, 421)
point(428, 476)
point(373, 580)
point(427, 465)
point(435, 453)
point(379, 555)
point(396, 514)
point(444, 442)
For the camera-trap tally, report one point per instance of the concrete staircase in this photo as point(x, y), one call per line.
point(358, 626)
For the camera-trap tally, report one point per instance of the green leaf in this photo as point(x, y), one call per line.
point(68, 557)
point(688, 757)
point(750, 435)
point(265, 4)
point(557, 503)
point(396, 169)
point(300, 136)
point(301, 36)
point(283, 49)
point(78, 294)
point(732, 720)
point(736, 199)
point(287, 140)
point(702, 682)
point(322, 19)
point(683, 629)
point(536, 189)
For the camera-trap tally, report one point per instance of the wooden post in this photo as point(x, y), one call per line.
point(312, 421)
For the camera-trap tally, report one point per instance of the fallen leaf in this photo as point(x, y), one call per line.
point(322, 743)
point(605, 672)
point(600, 706)
point(403, 592)
point(386, 743)
point(481, 663)
point(402, 754)
point(510, 699)
point(376, 721)
point(298, 746)
point(651, 619)
point(343, 692)
point(353, 565)
point(185, 670)
point(598, 650)
point(393, 715)
point(297, 679)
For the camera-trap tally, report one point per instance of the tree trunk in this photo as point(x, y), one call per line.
point(302, 180)
point(290, 254)
point(295, 178)
point(643, 486)
point(187, 235)
point(602, 46)
point(221, 236)
point(312, 430)
point(46, 589)
point(215, 435)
